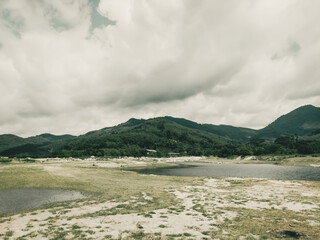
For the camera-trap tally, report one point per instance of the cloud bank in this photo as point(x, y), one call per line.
point(75, 66)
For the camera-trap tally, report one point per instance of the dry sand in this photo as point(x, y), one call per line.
point(211, 195)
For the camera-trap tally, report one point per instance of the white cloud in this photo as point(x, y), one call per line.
point(234, 62)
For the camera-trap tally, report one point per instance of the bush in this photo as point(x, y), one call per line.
point(5, 160)
point(28, 160)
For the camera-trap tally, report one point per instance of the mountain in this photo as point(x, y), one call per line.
point(40, 145)
point(302, 121)
point(163, 135)
point(8, 141)
point(227, 131)
point(123, 127)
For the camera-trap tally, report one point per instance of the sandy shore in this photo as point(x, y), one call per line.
point(207, 208)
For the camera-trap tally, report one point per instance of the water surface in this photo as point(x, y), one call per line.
point(241, 170)
point(15, 200)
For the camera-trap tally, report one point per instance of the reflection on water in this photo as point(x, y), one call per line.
point(242, 170)
point(14, 200)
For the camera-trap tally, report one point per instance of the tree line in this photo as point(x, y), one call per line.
point(138, 145)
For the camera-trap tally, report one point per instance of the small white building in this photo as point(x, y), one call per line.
point(151, 151)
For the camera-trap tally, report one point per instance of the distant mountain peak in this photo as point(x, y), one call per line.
point(134, 121)
point(307, 107)
point(301, 121)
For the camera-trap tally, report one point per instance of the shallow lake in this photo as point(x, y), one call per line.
point(241, 170)
point(15, 200)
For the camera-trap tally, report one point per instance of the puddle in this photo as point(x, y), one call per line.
point(15, 200)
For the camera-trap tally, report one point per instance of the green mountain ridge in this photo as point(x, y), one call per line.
point(301, 121)
point(228, 131)
point(11, 145)
point(167, 135)
point(135, 137)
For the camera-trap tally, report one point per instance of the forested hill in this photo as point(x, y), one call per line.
point(302, 121)
point(158, 137)
point(295, 132)
point(40, 145)
point(225, 131)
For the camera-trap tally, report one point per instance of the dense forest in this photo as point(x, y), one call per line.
point(138, 145)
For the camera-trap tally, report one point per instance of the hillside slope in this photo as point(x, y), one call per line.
point(227, 131)
point(37, 146)
point(302, 121)
point(136, 137)
point(164, 135)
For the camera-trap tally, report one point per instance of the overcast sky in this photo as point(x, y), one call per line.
point(71, 66)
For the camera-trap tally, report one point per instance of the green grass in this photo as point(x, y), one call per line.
point(267, 224)
point(100, 184)
point(129, 188)
point(9, 233)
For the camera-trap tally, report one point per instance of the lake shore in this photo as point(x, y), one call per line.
point(128, 205)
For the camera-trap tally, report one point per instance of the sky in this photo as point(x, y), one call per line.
point(72, 66)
